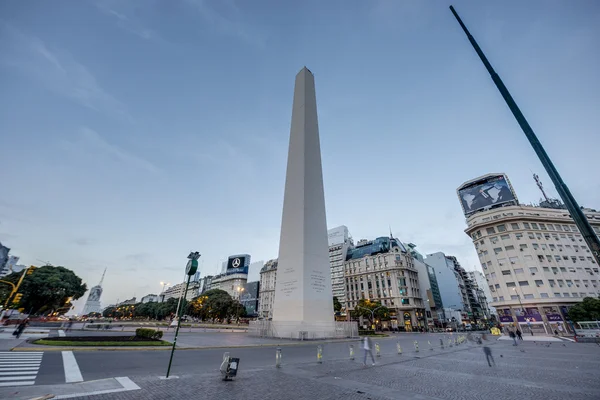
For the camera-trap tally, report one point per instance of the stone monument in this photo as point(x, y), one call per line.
point(93, 301)
point(303, 305)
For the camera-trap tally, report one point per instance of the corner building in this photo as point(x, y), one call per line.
point(383, 270)
point(536, 263)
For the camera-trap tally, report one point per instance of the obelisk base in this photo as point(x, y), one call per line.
point(301, 330)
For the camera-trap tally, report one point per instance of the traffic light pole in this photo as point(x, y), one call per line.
point(15, 287)
point(565, 194)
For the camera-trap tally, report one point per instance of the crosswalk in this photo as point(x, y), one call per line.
point(19, 368)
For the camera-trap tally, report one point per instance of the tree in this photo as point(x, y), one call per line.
point(587, 310)
point(337, 306)
point(48, 289)
point(214, 304)
point(369, 309)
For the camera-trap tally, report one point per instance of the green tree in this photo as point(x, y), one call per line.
point(213, 304)
point(369, 309)
point(337, 306)
point(587, 310)
point(48, 289)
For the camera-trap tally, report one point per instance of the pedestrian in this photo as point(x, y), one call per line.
point(21, 328)
point(69, 325)
point(519, 334)
point(367, 350)
point(560, 329)
point(513, 337)
point(488, 355)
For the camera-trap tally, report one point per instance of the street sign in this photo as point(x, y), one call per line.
point(191, 267)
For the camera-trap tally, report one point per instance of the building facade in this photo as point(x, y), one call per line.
point(485, 297)
point(268, 278)
point(339, 244)
point(175, 291)
point(233, 284)
point(447, 280)
point(383, 270)
point(205, 284)
point(536, 263)
point(150, 298)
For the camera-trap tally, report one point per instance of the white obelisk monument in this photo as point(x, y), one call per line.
point(303, 305)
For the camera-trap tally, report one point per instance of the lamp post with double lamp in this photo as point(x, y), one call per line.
point(372, 312)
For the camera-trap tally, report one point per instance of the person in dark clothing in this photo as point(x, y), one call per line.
point(513, 337)
point(488, 355)
point(519, 334)
point(21, 328)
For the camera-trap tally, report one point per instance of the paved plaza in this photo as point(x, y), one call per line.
point(532, 370)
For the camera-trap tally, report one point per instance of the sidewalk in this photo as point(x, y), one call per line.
point(528, 371)
point(529, 338)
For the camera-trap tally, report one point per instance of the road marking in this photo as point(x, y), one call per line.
point(18, 369)
point(127, 384)
point(22, 383)
point(61, 333)
point(72, 372)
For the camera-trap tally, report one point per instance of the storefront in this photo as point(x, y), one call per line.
point(407, 321)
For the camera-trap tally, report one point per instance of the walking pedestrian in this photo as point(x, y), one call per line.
point(21, 328)
point(560, 329)
point(367, 350)
point(69, 325)
point(519, 334)
point(513, 337)
point(488, 355)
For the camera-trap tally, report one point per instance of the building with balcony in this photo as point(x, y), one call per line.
point(339, 244)
point(536, 263)
point(383, 270)
point(266, 296)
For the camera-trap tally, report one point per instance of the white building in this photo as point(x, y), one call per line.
point(175, 292)
point(383, 270)
point(150, 298)
point(536, 263)
point(232, 283)
point(339, 243)
point(479, 279)
point(268, 278)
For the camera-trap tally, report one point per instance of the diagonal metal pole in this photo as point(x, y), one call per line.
point(577, 214)
point(178, 325)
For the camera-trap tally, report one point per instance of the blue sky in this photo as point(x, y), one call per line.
point(135, 131)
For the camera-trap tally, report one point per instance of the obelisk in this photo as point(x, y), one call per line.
point(303, 305)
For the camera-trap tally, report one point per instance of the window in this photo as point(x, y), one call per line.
point(534, 225)
point(514, 226)
point(494, 299)
point(514, 297)
point(558, 228)
point(494, 239)
point(518, 270)
point(405, 301)
point(505, 237)
point(544, 295)
point(543, 227)
point(556, 294)
point(490, 231)
point(510, 284)
point(511, 247)
point(551, 282)
point(528, 296)
point(535, 246)
point(566, 228)
point(530, 235)
point(546, 269)
point(566, 295)
point(533, 270)
point(528, 257)
point(501, 228)
point(506, 272)
point(522, 246)
point(498, 250)
point(539, 283)
point(523, 283)
point(526, 225)
point(501, 298)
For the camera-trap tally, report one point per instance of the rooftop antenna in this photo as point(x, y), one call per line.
point(539, 185)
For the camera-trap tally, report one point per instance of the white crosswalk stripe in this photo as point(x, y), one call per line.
point(19, 369)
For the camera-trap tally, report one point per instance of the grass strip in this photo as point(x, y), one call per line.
point(101, 344)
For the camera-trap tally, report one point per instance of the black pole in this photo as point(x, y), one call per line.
point(565, 194)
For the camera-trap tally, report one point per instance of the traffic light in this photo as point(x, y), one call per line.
point(30, 270)
point(17, 298)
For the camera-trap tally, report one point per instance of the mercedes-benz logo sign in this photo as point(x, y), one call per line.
point(236, 263)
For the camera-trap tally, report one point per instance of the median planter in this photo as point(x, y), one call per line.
point(99, 341)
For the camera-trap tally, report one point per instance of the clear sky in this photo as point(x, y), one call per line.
point(132, 132)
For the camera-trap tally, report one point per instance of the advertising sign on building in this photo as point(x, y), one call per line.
point(238, 264)
point(249, 298)
point(486, 192)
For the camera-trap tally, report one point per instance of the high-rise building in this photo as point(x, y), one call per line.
point(205, 284)
point(3, 257)
point(447, 280)
point(268, 278)
point(383, 270)
point(428, 287)
point(535, 261)
point(479, 280)
point(176, 291)
point(150, 298)
point(339, 244)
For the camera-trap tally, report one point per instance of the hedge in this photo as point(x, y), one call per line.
point(148, 333)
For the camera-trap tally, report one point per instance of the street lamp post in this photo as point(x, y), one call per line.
point(524, 311)
point(372, 312)
point(190, 270)
point(163, 290)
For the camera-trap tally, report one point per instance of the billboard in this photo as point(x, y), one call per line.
point(249, 298)
point(486, 192)
point(238, 264)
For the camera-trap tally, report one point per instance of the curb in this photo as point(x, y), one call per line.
point(162, 348)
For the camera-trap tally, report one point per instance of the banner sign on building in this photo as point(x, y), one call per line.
point(249, 298)
point(238, 264)
point(490, 190)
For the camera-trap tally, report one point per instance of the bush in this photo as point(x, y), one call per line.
point(147, 333)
